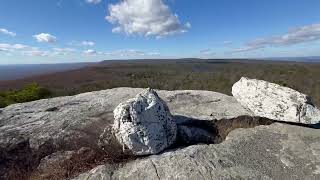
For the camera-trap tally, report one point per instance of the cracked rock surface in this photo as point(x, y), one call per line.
point(275, 102)
point(144, 125)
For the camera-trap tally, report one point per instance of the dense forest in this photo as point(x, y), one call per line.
point(213, 75)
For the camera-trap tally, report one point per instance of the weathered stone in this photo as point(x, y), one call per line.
point(144, 125)
point(30, 132)
point(276, 102)
point(277, 151)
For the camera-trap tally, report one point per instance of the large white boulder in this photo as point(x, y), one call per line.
point(143, 125)
point(276, 102)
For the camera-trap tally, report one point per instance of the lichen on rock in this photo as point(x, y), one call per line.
point(144, 124)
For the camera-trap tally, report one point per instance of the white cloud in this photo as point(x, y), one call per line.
point(45, 37)
point(245, 49)
point(13, 47)
point(121, 53)
point(88, 43)
point(52, 52)
point(36, 53)
point(145, 17)
point(131, 53)
point(93, 1)
point(90, 52)
point(207, 52)
point(294, 36)
point(6, 32)
point(63, 51)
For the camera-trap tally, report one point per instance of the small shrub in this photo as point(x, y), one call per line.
point(30, 92)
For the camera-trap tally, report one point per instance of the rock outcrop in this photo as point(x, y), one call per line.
point(144, 125)
point(276, 102)
point(73, 137)
point(33, 132)
point(277, 151)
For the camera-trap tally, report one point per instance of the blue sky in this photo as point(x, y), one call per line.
point(55, 31)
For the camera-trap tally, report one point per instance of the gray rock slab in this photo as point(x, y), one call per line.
point(277, 151)
point(75, 121)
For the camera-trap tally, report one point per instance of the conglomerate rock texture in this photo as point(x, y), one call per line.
point(144, 125)
point(276, 102)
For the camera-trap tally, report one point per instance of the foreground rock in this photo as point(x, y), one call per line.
point(50, 130)
point(65, 137)
point(275, 102)
point(143, 125)
point(277, 151)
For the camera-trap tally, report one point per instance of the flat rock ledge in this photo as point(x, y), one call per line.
point(144, 125)
point(60, 137)
point(277, 151)
point(275, 102)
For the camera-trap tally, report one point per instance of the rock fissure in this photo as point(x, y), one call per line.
point(155, 169)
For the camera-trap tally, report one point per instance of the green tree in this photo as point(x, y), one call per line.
point(30, 92)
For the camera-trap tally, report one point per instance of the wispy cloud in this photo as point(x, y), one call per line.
point(7, 32)
point(227, 43)
point(63, 51)
point(121, 53)
point(295, 36)
point(146, 18)
point(207, 51)
point(131, 53)
point(90, 52)
point(13, 47)
point(88, 43)
point(45, 37)
point(93, 1)
point(36, 53)
point(247, 48)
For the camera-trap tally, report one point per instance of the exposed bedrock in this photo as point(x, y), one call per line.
point(276, 102)
point(53, 131)
point(63, 137)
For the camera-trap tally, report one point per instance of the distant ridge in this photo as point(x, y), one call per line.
point(315, 59)
point(18, 71)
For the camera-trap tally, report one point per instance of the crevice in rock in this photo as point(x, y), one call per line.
point(155, 168)
point(52, 109)
point(194, 131)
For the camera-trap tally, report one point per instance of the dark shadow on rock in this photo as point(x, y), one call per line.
point(312, 126)
point(196, 131)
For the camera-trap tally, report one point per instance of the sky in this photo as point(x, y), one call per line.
point(67, 31)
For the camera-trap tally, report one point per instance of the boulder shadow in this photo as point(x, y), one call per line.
point(196, 131)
